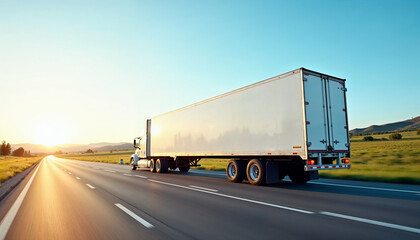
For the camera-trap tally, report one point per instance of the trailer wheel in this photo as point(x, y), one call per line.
point(235, 171)
point(183, 165)
point(133, 167)
point(255, 172)
point(152, 165)
point(298, 175)
point(161, 166)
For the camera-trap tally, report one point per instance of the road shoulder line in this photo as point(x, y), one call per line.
point(364, 220)
point(11, 214)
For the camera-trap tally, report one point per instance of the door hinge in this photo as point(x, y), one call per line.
point(323, 141)
point(336, 142)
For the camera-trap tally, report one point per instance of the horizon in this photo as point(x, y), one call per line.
point(102, 142)
point(77, 74)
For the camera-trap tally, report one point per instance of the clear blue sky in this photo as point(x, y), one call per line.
point(98, 69)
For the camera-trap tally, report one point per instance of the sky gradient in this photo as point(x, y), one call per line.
point(93, 71)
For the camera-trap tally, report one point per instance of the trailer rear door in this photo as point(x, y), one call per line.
point(337, 114)
point(326, 117)
point(316, 115)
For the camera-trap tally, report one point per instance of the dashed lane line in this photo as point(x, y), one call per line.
point(92, 187)
point(135, 216)
point(140, 176)
point(236, 198)
point(207, 189)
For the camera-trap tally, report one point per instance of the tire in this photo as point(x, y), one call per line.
point(298, 175)
point(133, 167)
point(255, 172)
point(152, 165)
point(183, 166)
point(162, 166)
point(235, 171)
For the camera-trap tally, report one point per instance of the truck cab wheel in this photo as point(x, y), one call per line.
point(161, 166)
point(133, 167)
point(152, 165)
point(255, 172)
point(235, 171)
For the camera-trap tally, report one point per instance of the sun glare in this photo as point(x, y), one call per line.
point(52, 132)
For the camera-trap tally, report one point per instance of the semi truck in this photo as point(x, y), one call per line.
point(292, 124)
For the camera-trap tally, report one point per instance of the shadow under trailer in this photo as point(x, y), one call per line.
point(293, 124)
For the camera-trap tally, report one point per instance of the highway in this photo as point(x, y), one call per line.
point(69, 199)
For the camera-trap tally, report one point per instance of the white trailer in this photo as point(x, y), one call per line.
point(293, 124)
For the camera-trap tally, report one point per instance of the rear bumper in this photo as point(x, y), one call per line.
point(326, 167)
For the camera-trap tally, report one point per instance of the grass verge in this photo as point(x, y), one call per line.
point(105, 157)
point(10, 166)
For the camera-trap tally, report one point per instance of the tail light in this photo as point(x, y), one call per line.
point(346, 160)
point(311, 162)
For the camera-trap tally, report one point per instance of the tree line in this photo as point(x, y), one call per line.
point(6, 150)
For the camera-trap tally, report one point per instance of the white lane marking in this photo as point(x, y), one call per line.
point(133, 215)
point(383, 224)
point(11, 214)
point(236, 198)
point(96, 168)
point(140, 176)
point(77, 178)
point(127, 174)
point(69, 172)
point(371, 188)
point(207, 189)
point(110, 171)
point(92, 187)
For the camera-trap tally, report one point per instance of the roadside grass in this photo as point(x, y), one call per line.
point(105, 157)
point(10, 166)
point(395, 161)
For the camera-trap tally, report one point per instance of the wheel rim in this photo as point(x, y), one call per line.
point(152, 164)
point(254, 172)
point(157, 165)
point(231, 170)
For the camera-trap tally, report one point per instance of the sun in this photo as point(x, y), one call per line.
point(52, 132)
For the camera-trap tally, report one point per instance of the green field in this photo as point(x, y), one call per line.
point(10, 166)
point(395, 161)
point(383, 160)
point(105, 157)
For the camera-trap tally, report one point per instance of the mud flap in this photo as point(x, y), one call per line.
point(272, 172)
point(312, 175)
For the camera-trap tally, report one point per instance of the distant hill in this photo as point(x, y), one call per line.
point(409, 124)
point(97, 147)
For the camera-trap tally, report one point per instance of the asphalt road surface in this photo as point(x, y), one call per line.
point(69, 199)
